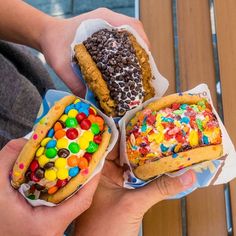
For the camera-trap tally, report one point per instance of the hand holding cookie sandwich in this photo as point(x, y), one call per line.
point(19, 218)
point(124, 208)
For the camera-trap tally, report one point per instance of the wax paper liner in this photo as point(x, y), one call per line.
point(50, 98)
point(87, 28)
point(213, 172)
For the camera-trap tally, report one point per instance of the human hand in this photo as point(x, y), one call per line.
point(19, 218)
point(58, 34)
point(119, 211)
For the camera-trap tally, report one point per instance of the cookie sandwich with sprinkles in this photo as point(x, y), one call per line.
point(172, 133)
point(116, 69)
point(63, 151)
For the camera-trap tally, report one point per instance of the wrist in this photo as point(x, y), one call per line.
point(110, 216)
point(43, 35)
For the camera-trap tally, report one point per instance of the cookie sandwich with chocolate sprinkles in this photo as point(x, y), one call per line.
point(116, 69)
point(63, 151)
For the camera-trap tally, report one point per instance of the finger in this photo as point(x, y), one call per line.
point(116, 19)
point(162, 188)
point(10, 152)
point(115, 153)
point(125, 20)
point(66, 73)
point(113, 173)
point(78, 203)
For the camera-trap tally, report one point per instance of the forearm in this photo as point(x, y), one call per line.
point(21, 23)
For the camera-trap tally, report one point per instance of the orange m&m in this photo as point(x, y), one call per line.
point(82, 163)
point(60, 133)
point(72, 161)
point(52, 190)
point(57, 126)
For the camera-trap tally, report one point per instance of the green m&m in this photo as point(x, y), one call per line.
point(71, 122)
point(51, 153)
point(74, 147)
point(95, 128)
point(93, 147)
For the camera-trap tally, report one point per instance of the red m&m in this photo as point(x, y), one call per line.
point(85, 124)
point(72, 133)
point(88, 156)
point(34, 165)
point(81, 116)
point(61, 182)
point(97, 139)
point(34, 178)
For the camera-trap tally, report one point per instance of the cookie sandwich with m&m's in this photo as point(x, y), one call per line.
point(65, 148)
point(172, 133)
point(117, 70)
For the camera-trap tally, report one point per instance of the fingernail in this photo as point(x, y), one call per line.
point(186, 179)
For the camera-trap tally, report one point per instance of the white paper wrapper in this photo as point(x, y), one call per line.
point(50, 98)
point(210, 172)
point(88, 27)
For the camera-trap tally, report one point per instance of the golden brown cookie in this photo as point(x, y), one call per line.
point(172, 133)
point(94, 78)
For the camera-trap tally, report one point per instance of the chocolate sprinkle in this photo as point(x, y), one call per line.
point(115, 57)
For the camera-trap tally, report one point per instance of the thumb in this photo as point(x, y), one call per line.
point(163, 188)
point(9, 154)
point(78, 203)
point(75, 83)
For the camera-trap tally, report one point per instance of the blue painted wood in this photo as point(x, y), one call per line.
point(74, 7)
point(52, 7)
point(87, 5)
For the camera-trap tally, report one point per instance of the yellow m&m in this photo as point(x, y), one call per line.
point(60, 162)
point(40, 151)
point(83, 142)
point(62, 173)
point(77, 100)
point(63, 118)
point(88, 135)
point(62, 143)
point(50, 175)
point(42, 160)
point(45, 141)
point(73, 113)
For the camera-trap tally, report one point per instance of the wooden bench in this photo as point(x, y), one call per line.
point(187, 52)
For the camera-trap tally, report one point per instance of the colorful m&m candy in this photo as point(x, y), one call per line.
point(67, 149)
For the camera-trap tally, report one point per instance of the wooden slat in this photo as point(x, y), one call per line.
point(165, 217)
point(205, 207)
point(226, 37)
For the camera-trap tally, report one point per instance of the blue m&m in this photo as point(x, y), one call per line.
point(51, 144)
point(73, 171)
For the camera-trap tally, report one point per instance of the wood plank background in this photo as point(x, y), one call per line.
point(226, 36)
point(205, 208)
point(158, 27)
